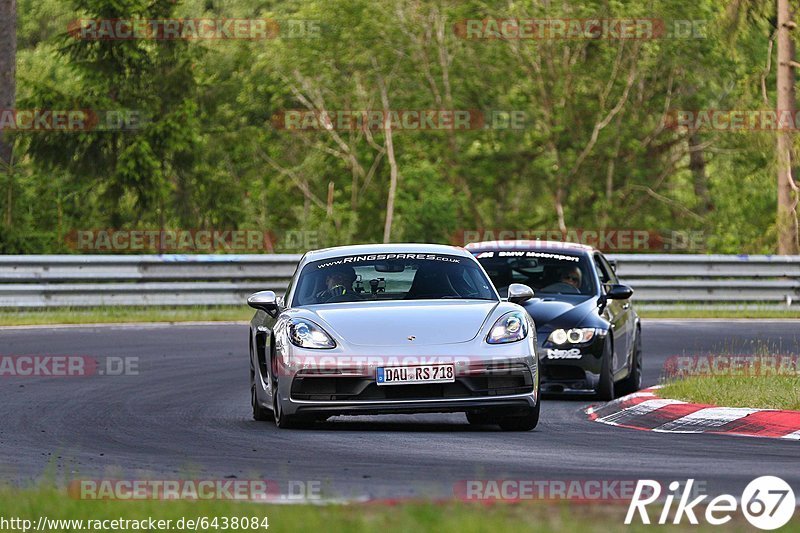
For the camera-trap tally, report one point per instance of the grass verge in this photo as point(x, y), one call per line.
point(680, 313)
point(445, 517)
point(112, 315)
point(760, 392)
point(103, 315)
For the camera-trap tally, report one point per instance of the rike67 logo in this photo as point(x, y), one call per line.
point(767, 502)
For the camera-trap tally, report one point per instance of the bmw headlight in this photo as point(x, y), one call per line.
point(511, 327)
point(306, 334)
point(572, 336)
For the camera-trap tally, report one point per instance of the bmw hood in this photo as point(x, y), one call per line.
point(431, 322)
point(548, 309)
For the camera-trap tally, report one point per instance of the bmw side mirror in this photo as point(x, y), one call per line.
point(264, 301)
point(519, 293)
point(619, 292)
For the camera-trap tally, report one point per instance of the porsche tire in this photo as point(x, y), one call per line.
point(260, 414)
point(479, 419)
point(284, 421)
point(525, 422)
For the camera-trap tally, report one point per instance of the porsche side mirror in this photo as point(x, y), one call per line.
point(264, 301)
point(519, 293)
point(619, 292)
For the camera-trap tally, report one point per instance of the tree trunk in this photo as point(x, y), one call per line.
point(329, 203)
point(8, 63)
point(786, 107)
point(559, 203)
point(697, 165)
point(387, 130)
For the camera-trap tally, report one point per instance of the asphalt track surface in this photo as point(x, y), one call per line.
point(186, 415)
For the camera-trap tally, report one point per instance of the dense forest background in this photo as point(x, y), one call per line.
point(595, 151)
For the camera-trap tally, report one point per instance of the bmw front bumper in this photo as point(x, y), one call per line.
point(570, 369)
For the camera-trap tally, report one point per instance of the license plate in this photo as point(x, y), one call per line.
point(405, 375)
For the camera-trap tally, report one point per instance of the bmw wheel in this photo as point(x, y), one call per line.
point(605, 388)
point(633, 382)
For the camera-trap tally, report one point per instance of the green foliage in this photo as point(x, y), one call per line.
point(593, 146)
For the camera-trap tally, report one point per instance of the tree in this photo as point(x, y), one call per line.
point(786, 106)
point(593, 151)
point(8, 67)
point(135, 170)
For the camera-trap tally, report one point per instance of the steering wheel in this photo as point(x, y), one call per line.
point(562, 287)
point(329, 294)
point(471, 294)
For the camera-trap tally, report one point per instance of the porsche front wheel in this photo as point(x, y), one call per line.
point(525, 422)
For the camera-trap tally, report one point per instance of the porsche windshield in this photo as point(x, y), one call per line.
point(401, 276)
point(543, 271)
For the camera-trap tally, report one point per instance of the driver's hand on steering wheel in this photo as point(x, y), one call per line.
point(328, 294)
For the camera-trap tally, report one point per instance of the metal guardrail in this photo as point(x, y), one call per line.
point(718, 281)
point(100, 280)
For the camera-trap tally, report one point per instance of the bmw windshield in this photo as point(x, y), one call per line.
point(401, 276)
point(546, 272)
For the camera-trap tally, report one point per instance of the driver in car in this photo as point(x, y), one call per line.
point(338, 282)
point(569, 281)
point(572, 276)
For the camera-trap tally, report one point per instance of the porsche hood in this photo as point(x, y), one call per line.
point(429, 322)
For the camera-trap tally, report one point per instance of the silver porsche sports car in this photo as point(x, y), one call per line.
point(393, 328)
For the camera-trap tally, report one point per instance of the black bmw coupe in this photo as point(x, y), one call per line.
point(589, 335)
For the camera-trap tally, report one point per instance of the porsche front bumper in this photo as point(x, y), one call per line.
point(504, 377)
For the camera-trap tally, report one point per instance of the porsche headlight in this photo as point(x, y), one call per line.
point(511, 327)
point(306, 334)
point(572, 336)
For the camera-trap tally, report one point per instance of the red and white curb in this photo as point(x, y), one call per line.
point(645, 410)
